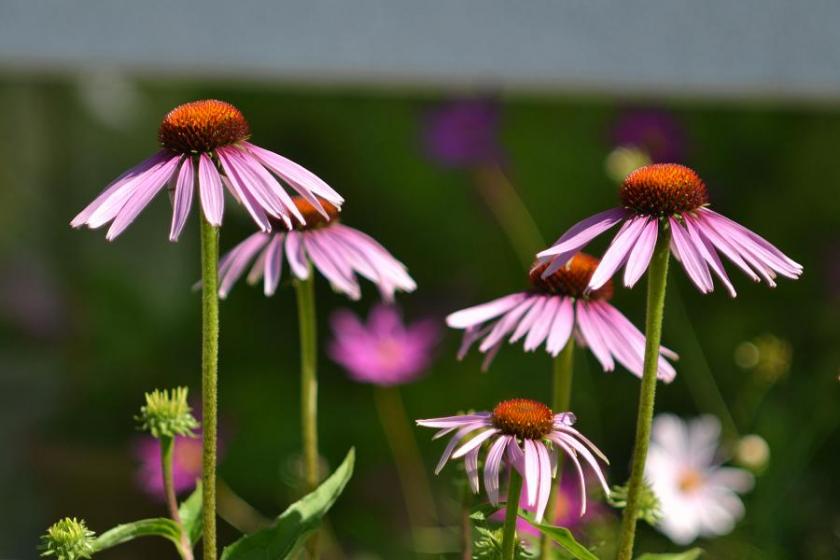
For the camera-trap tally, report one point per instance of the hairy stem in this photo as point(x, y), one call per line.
point(209, 380)
point(657, 277)
point(167, 450)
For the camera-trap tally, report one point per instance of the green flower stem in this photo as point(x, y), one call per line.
point(657, 277)
point(167, 449)
point(415, 486)
point(209, 380)
point(511, 513)
point(562, 390)
point(305, 290)
point(510, 212)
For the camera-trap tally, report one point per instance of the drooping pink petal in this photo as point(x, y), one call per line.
point(593, 337)
point(105, 206)
point(722, 244)
point(529, 319)
point(332, 270)
point(274, 188)
point(184, 188)
point(544, 490)
point(577, 237)
point(507, 323)
point(642, 251)
point(542, 324)
point(250, 181)
point(491, 468)
point(296, 256)
point(570, 453)
point(475, 442)
point(471, 468)
point(382, 261)
point(484, 312)
point(273, 264)
point(232, 267)
point(707, 252)
point(687, 254)
point(144, 191)
point(239, 188)
point(300, 178)
point(210, 191)
point(617, 253)
point(532, 470)
point(561, 327)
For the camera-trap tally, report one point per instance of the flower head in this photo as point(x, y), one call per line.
point(384, 351)
point(167, 414)
point(558, 306)
point(337, 251)
point(672, 196)
point(68, 539)
point(525, 435)
point(464, 133)
point(204, 146)
point(656, 132)
point(697, 496)
point(186, 465)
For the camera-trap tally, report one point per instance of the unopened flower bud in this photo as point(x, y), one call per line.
point(68, 539)
point(649, 506)
point(752, 452)
point(167, 414)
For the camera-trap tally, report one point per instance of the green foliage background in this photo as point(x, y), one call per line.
point(86, 327)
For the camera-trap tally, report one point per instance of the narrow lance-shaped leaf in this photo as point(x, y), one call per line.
point(157, 527)
point(190, 512)
point(563, 537)
point(285, 537)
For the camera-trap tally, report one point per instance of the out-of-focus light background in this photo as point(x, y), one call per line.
point(746, 93)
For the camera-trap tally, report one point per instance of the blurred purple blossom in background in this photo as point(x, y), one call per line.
point(186, 465)
point(654, 131)
point(463, 133)
point(385, 351)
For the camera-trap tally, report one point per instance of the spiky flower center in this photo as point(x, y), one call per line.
point(571, 279)
point(663, 189)
point(523, 418)
point(202, 126)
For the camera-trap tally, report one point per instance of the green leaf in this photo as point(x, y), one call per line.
point(692, 554)
point(190, 512)
point(158, 527)
point(561, 536)
point(285, 537)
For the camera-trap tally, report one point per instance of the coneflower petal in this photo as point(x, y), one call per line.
point(578, 236)
point(210, 191)
point(642, 251)
point(144, 191)
point(184, 188)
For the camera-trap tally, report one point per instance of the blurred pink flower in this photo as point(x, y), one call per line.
point(384, 351)
point(463, 133)
point(205, 147)
point(673, 196)
point(186, 465)
point(654, 131)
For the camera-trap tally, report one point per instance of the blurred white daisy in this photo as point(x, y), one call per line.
point(698, 497)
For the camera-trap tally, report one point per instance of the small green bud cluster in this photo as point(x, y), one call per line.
point(68, 539)
point(166, 414)
point(649, 507)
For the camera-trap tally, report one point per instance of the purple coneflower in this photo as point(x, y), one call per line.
point(205, 146)
point(337, 251)
point(675, 196)
point(384, 351)
point(524, 434)
point(697, 496)
point(654, 131)
point(186, 465)
point(464, 133)
point(557, 307)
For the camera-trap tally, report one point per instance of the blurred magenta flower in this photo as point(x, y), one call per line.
point(557, 307)
point(337, 251)
point(654, 131)
point(384, 351)
point(676, 196)
point(205, 146)
point(526, 435)
point(697, 496)
point(186, 465)
point(463, 133)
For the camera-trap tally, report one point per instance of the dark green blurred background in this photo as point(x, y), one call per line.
point(86, 326)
